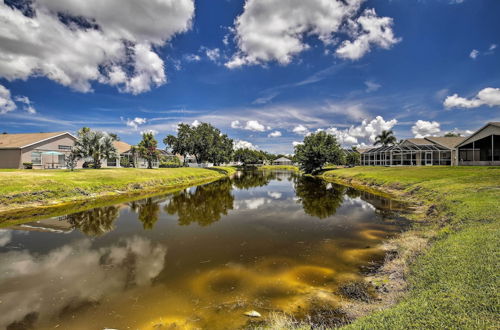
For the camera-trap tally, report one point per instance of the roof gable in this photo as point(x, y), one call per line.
point(19, 141)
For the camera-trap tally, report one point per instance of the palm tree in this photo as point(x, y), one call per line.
point(147, 148)
point(385, 138)
point(94, 144)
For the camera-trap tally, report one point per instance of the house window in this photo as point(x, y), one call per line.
point(36, 158)
point(62, 147)
point(112, 162)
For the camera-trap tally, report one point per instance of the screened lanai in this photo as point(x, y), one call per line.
point(407, 154)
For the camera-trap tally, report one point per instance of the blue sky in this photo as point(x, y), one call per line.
point(352, 68)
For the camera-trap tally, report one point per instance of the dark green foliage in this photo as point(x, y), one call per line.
point(317, 150)
point(204, 206)
point(318, 198)
point(95, 222)
point(147, 149)
point(205, 142)
point(28, 165)
point(352, 158)
point(385, 138)
point(94, 144)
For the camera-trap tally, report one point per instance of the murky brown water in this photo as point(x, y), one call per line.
point(200, 258)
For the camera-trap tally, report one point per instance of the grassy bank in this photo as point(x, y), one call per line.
point(42, 192)
point(454, 282)
point(279, 167)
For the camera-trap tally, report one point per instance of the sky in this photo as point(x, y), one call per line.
point(266, 72)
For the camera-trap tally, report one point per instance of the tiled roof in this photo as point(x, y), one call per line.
point(122, 146)
point(15, 141)
point(448, 142)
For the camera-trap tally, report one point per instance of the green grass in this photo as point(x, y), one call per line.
point(454, 284)
point(25, 188)
point(279, 167)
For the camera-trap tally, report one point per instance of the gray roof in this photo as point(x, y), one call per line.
point(282, 159)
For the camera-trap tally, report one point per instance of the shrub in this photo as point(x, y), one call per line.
point(170, 164)
point(28, 165)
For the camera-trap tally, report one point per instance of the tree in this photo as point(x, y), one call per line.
point(317, 150)
point(451, 134)
point(205, 142)
point(246, 156)
point(94, 144)
point(353, 158)
point(147, 149)
point(114, 136)
point(318, 198)
point(180, 144)
point(385, 138)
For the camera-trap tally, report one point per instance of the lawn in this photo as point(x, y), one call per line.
point(453, 284)
point(35, 188)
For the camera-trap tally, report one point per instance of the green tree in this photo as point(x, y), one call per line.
point(114, 136)
point(94, 144)
point(317, 150)
point(182, 143)
point(246, 156)
point(147, 149)
point(385, 138)
point(451, 134)
point(353, 158)
point(95, 222)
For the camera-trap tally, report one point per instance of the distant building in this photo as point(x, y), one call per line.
point(282, 161)
point(481, 148)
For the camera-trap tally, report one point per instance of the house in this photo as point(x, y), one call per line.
point(282, 161)
point(42, 150)
point(416, 152)
point(482, 147)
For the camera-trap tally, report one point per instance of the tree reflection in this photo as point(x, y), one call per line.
point(318, 198)
point(95, 222)
point(149, 211)
point(205, 206)
point(248, 179)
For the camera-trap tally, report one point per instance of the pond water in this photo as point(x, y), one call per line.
point(199, 258)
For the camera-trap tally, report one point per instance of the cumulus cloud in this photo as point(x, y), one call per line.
point(474, 54)
point(370, 129)
point(488, 96)
point(296, 143)
point(275, 30)
point(301, 130)
point(77, 42)
point(136, 122)
point(196, 123)
point(192, 58)
point(6, 102)
point(274, 134)
point(250, 125)
point(212, 54)
point(236, 124)
point(241, 144)
point(424, 128)
point(343, 136)
point(86, 275)
point(367, 30)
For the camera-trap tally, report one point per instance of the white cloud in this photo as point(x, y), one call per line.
point(254, 125)
point(343, 136)
point(213, 54)
point(474, 54)
point(196, 123)
point(424, 128)
point(99, 41)
point(192, 58)
point(300, 130)
point(368, 30)
point(460, 132)
point(296, 143)
point(492, 47)
point(371, 86)
point(136, 122)
point(74, 275)
point(6, 103)
point(28, 105)
point(488, 96)
point(274, 134)
point(241, 144)
point(151, 131)
point(370, 129)
point(236, 124)
point(275, 30)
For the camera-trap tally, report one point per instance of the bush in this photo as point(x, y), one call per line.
point(125, 162)
point(28, 165)
point(170, 164)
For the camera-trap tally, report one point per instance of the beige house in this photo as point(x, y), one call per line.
point(42, 150)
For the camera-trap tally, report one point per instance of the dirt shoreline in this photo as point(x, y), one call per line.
point(389, 280)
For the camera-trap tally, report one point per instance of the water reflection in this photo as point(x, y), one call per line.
point(204, 206)
point(318, 198)
point(268, 251)
point(95, 222)
point(39, 287)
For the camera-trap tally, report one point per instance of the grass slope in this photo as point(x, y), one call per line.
point(35, 188)
point(454, 284)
